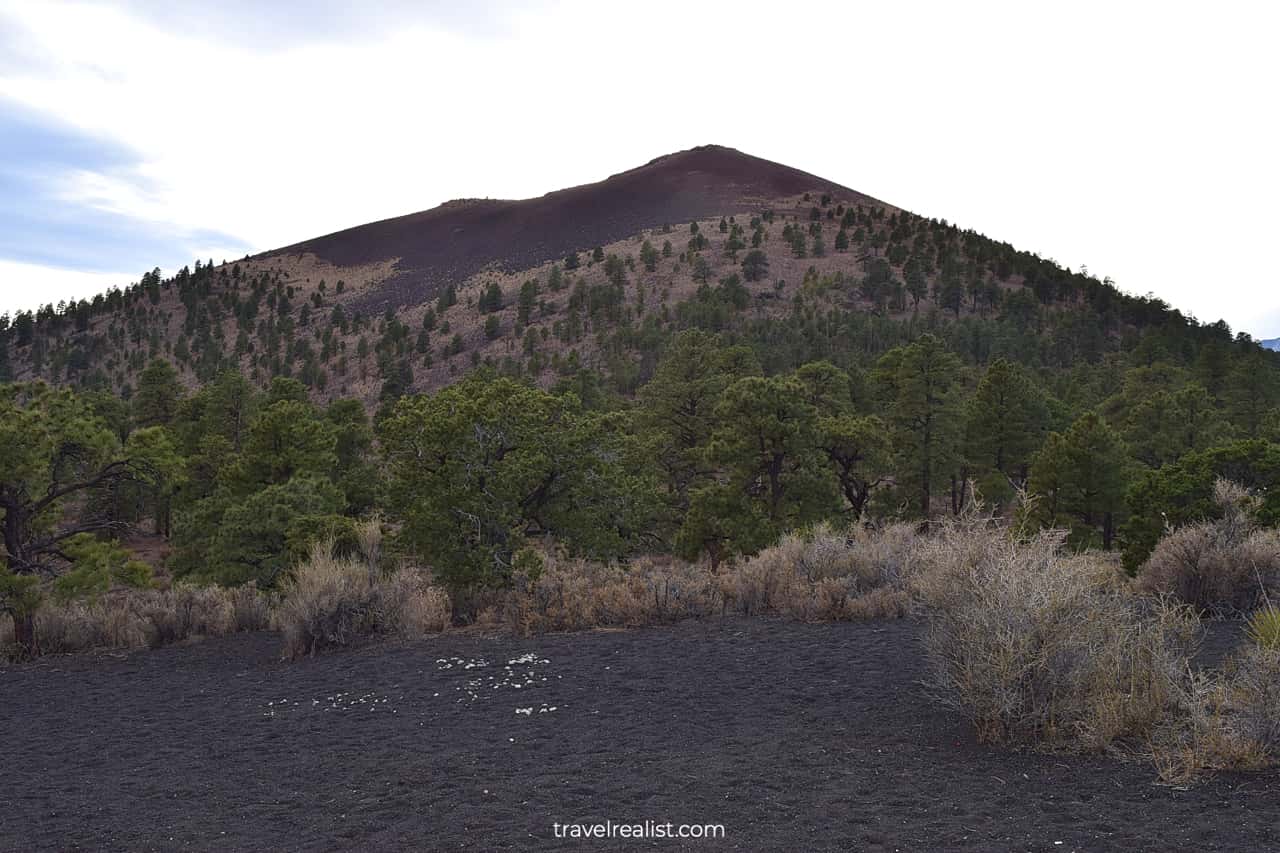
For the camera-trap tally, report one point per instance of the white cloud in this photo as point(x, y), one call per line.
point(25, 287)
point(1133, 138)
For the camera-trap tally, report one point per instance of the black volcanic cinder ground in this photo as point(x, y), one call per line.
point(795, 737)
point(460, 238)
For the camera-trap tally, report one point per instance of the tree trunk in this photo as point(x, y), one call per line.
point(24, 635)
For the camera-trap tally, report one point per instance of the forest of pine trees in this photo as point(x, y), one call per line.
point(922, 369)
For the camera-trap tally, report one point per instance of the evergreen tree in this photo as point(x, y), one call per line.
point(159, 391)
point(1079, 479)
point(755, 265)
point(1006, 420)
point(919, 383)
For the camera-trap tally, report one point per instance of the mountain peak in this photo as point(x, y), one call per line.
point(457, 239)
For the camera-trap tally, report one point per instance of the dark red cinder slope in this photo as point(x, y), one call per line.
point(460, 238)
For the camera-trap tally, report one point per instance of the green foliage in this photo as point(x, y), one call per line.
point(96, 566)
point(918, 385)
point(975, 353)
point(285, 440)
point(480, 467)
point(490, 299)
point(527, 300)
point(649, 256)
point(54, 451)
point(257, 538)
point(755, 265)
point(1006, 419)
point(701, 269)
point(244, 513)
point(158, 395)
point(1264, 628)
point(156, 451)
point(858, 450)
point(766, 445)
point(677, 407)
point(1182, 492)
point(447, 299)
point(1165, 425)
point(1252, 391)
point(1080, 477)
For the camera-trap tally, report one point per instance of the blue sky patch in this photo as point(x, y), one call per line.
point(39, 227)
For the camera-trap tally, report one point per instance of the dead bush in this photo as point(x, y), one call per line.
point(1252, 698)
point(882, 603)
point(1227, 720)
point(1223, 567)
point(574, 595)
point(130, 619)
point(113, 622)
point(250, 609)
point(330, 601)
point(825, 575)
point(1035, 645)
point(410, 606)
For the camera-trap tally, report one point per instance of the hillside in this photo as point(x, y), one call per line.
point(597, 277)
point(450, 243)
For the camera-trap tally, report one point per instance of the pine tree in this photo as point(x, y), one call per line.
point(919, 384)
point(1079, 478)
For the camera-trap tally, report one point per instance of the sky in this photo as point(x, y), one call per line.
point(1138, 140)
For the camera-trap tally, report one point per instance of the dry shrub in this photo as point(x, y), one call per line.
point(826, 575)
point(1223, 567)
point(1035, 645)
point(1227, 720)
point(1252, 699)
point(816, 576)
point(882, 603)
point(573, 595)
point(942, 562)
point(113, 622)
point(331, 601)
point(411, 606)
point(130, 619)
point(250, 609)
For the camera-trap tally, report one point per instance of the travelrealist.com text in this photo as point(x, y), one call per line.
point(643, 829)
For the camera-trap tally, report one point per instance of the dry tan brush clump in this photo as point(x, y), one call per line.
point(565, 594)
point(826, 575)
point(817, 575)
point(1043, 647)
point(133, 618)
point(1036, 645)
point(1223, 567)
point(330, 601)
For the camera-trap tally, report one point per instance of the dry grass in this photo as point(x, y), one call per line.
point(331, 601)
point(1252, 697)
point(821, 575)
point(1223, 567)
point(826, 575)
point(574, 595)
point(1044, 647)
point(1228, 720)
point(132, 619)
point(1036, 645)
